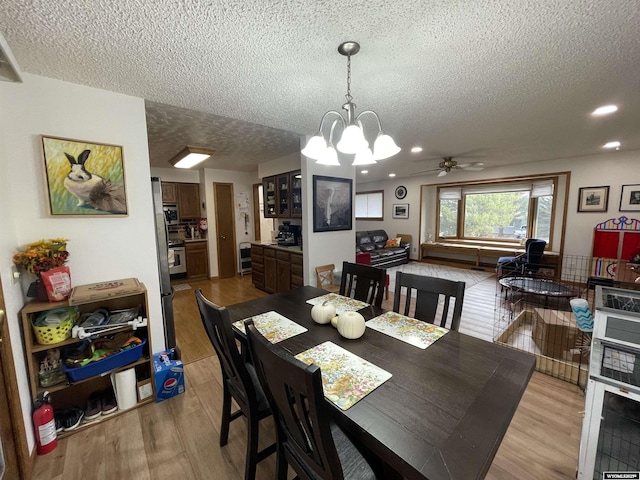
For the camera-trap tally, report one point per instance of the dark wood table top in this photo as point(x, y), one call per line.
point(445, 410)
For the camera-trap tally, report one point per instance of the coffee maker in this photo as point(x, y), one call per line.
point(288, 235)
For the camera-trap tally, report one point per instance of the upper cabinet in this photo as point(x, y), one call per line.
point(283, 195)
point(185, 195)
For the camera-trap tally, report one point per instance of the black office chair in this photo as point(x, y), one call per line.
point(527, 263)
point(306, 436)
point(239, 382)
point(429, 292)
point(363, 282)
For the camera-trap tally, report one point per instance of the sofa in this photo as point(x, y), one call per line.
point(375, 243)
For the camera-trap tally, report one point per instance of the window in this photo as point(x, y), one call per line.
point(502, 211)
point(369, 205)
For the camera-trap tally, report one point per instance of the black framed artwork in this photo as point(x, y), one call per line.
point(630, 198)
point(332, 203)
point(593, 199)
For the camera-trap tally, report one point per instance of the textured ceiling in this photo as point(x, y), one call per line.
point(512, 82)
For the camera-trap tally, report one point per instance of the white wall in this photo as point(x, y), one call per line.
point(100, 248)
point(614, 169)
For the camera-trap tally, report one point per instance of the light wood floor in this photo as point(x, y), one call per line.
point(178, 438)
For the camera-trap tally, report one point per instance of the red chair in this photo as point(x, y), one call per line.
point(365, 259)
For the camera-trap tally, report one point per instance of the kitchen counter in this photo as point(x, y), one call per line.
point(194, 240)
point(275, 246)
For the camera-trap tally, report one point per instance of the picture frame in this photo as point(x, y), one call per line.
point(332, 203)
point(630, 198)
point(84, 178)
point(400, 210)
point(593, 199)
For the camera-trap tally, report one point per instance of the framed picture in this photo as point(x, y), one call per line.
point(630, 198)
point(593, 199)
point(400, 210)
point(332, 203)
point(84, 178)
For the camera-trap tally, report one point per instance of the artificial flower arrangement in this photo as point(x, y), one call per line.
point(47, 259)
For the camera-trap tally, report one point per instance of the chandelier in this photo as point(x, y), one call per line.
point(352, 140)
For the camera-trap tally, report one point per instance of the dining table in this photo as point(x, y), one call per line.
point(445, 409)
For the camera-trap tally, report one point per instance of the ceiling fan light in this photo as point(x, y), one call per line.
point(315, 147)
point(329, 157)
point(442, 173)
point(364, 157)
point(352, 140)
point(384, 147)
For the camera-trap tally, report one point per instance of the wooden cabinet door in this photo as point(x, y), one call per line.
point(169, 192)
point(269, 197)
point(197, 260)
point(283, 272)
point(270, 279)
point(283, 196)
point(189, 200)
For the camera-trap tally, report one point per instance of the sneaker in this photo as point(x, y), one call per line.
point(94, 407)
point(60, 417)
point(73, 418)
point(109, 403)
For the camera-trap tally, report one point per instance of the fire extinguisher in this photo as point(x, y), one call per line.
point(44, 424)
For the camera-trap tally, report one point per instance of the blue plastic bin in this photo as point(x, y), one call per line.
point(112, 362)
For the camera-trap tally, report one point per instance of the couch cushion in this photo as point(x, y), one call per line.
point(367, 247)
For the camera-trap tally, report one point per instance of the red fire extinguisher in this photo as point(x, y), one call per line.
point(44, 424)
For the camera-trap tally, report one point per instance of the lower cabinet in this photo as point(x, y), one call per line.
point(275, 269)
point(197, 260)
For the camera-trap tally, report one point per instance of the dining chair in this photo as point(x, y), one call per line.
point(325, 279)
point(363, 282)
point(239, 382)
point(364, 258)
point(429, 293)
point(307, 437)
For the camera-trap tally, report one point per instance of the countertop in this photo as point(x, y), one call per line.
point(296, 249)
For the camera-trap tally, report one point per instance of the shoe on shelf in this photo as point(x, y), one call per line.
point(73, 418)
point(60, 418)
point(109, 403)
point(94, 407)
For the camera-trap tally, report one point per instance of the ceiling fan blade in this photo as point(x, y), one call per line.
point(474, 169)
point(475, 166)
point(442, 173)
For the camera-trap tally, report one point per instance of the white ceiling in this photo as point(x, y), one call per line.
point(509, 81)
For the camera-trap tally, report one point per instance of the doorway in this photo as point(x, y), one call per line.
point(263, 227)
point(225, 229)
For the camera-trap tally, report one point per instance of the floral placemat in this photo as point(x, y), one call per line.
point(273, 326)
point(414, 332)
point(342, 303)
point(346, 378)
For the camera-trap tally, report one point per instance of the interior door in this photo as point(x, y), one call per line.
point(225, 229)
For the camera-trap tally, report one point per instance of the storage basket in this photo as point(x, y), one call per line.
point(107, 364)
point(50, 334)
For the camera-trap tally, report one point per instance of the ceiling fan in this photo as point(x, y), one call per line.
point(449, 164)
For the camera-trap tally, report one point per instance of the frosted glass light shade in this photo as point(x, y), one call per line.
point(329, 156)
point(315, 148)
point(352, 140)
point(384, 147)
point(364, 157)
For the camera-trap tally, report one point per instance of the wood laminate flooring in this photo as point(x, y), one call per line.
point(179, 438)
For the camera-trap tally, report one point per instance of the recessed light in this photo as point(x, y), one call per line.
point(614, 144)
point(364, 172)
point(392, 174)
point(604, 110)
point(416, 149)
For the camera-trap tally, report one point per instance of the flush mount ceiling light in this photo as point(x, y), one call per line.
point(614, 144)
point(352, 140)
point(190, 156)
point(604, 110)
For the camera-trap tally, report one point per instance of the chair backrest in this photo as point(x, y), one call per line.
point(234, 370)
point(534, 249)
point(429, 293)
point(295, 394)
point(324, 276)
point(363, 282)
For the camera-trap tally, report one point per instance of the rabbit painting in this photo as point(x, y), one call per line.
point(91, 190)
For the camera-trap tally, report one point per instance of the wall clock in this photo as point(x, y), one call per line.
point(401, 192)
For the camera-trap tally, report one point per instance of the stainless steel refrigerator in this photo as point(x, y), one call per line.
point(166, 290)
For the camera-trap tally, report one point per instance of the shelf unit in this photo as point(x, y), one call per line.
point(76, 393)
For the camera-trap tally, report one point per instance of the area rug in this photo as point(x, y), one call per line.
point(469, 277)
point(181, 286)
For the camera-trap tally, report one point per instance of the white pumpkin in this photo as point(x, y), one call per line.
point(334, 321)
point(323, 313)
point(351, 325)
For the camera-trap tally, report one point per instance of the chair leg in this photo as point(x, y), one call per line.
point(252, 448)
point(226, 415)
point(282, 466)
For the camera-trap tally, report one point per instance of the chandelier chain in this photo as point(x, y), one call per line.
point(348, 95)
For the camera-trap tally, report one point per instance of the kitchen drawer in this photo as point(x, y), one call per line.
point(296, 281)
point(269, 252)
point(257, 250)
point(257, 267)
point(296, 259)
point(282, 256)
point(257, 258)
point(296, 270)
point(258, 279)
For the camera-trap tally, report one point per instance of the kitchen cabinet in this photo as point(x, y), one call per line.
point(169, 192)
point(276, 269)
point(269, 197)
point(295, 180)
point(197, 259)
point(188, 200)
point(69, 392)
point(283, 195)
